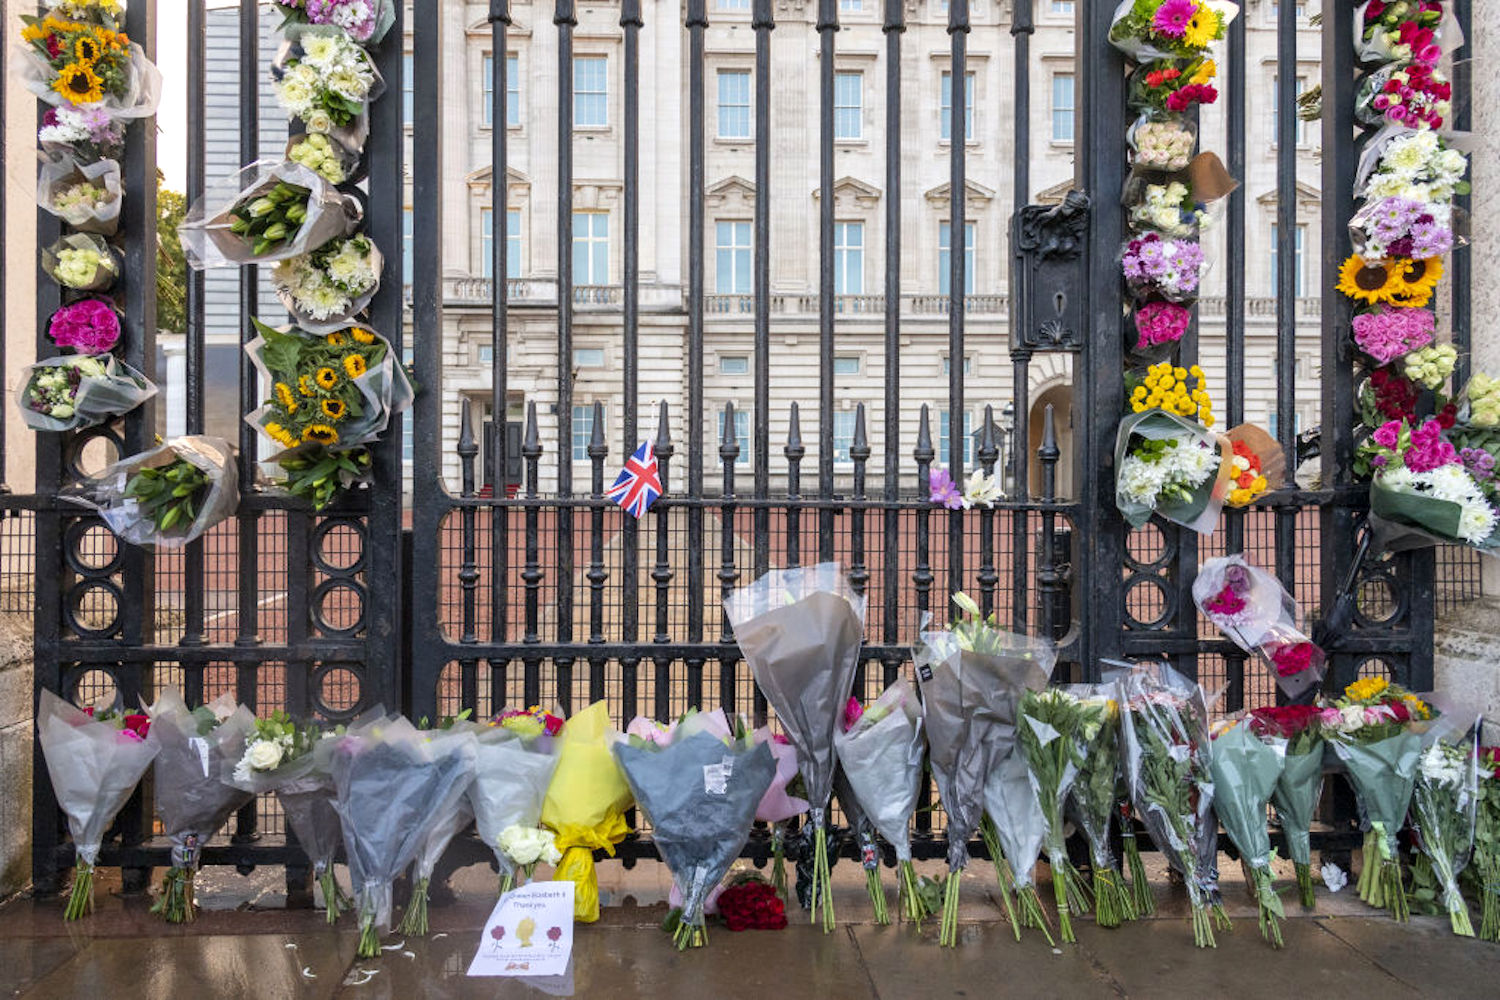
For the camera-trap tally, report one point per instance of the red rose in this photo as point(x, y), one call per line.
point(138, 724)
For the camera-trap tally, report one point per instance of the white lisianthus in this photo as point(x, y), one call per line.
point(526, 845)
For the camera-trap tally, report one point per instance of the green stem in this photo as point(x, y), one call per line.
point(1392, 891)
point(877, 895)
point(414, 920)
point(176, 903)
point(334, 900)
point(1268, 907)
point(369, 939)
point(1489, 881)
point(822, 881)
point(778, 862)
point(1203, 928)
point(909, 897)
point(1029, 905)
point(1111, 900)
point(1140, 887)
point(1003, 875)
point(1305, 885)
point(81, 899)
point(948, 933)
point(507, 881)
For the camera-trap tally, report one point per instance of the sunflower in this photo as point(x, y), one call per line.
point(305, 385)
point(281, 434)
point(321, 433)
point(79, 84)
point(86, 49)
point(334, 409)
point(1418, 278)
point(1202, 28)
point(361, 336)
point(284, 395)
point(1370, 282)
point(327, 378)
point(335, 339)
point(354, 365)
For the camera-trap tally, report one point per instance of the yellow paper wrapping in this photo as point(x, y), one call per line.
point(586, 803)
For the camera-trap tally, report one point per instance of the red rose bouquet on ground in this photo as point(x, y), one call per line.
point(1300, 786)
point(751, 904)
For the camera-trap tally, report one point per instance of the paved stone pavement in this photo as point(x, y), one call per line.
point(245, 943)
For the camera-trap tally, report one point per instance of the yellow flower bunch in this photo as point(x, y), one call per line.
point(284, 393)
point(1366, 689)
point(1202, 28)
point(1176, 390)
point(1206, 72)
point(354, 365)
point(1419, 709)
point(281, 435)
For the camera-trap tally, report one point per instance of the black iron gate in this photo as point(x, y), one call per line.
point(477, 598)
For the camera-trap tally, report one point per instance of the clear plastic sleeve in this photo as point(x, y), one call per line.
point(98, 277)
point(368, 32)
point(883, 761)
point(1251, 607)
point(207, 240)
point(141, 96)
point(1444, 814)
point(1094, 795)
point(1012, 805)
point(191, 799)
point(1201, 513)
point(1426, 229)
point(1141, 45)
point(777, 805)
point(1161, 141)
point(446, 825)
point(1402, 521)
point(93, 768)
point(356, 133)
point(341, 319)
point(115, 391)
point(122, 513)
point(60, 172)
point(511, 776)
point(800, 630)
point(1373, 44)
point(308, 805)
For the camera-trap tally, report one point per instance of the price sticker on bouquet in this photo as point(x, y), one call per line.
point(529, 933)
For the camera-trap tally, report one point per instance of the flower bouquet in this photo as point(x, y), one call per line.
point(322, 289)
point(881, 751)
point(88, 326)
point(1258, 465)
point(1167, 29)
point(74, 392)
point(323, 156)
point(1093, 797)
point(1401, 226)
point(1159, 267)
point(778, 805)
point(1159, 325)
point(282, 756)
point(324, 79)
point(1376, 733)
point(264, 212)
point(94, 760)
point(800, 630)
point(1444, 808)
point(1397, 162)
point(1246, 768)
point(79, 60)
point(1161, 141)
point(1485, 871)
point(1430, 366)
point(392, 782)
point(1479, 402)
point(1171, 466)
point(83, 262)
point(1401, 31)
point(972, 676)
point(699, 793)
point(85, 196)
point(1165, 86)
point(1412, 95)
point(193, 748)
point(1422, 492)
point(1171, 785)
point(1300, 784)
point(1020, 829)
point(1166, 208)
point(749, 903)
point(1251, 607)
point(1385, 333)
point(1397, 282)
point(514, 763)
point(586, 803)
point(1050, 740)
point(86, 134)
point(365, 21)
point(169, 495)
point(447, 822)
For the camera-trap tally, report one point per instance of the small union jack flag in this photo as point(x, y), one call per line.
point(639, 483)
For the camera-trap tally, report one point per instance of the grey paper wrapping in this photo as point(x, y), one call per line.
point(1298, 791)
point(970, 704)
point(208, 242)
point(308, 805)
point(392, 784)
point(339, 320)
point(100, 397)
point(800, 630)
point(93, 769)
point(440, 833)
point(700, 796)
point(1383, 774)
point(1013, 807)
point(883, 764)
point(191, 799)
point(60, 171)
point(143, 83)
point(510, 784)
point(260, 782)
point(122, 514)
point(1246, 769)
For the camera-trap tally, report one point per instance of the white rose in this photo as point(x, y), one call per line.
point(264, 755)
point(320, 121)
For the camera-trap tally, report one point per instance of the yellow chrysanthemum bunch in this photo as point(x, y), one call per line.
point(1366, 688)
point(1176, 390)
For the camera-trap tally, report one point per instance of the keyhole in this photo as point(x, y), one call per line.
point(1060, 302)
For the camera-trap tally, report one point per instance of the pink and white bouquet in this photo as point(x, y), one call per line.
point(90, 134)
point(1423, 492)
point(1254, 610)
point(1412, 95)
point(1155, 266)
point(88, 326)
point(1159, 324)
point(1162, 142)
point(94, 760)
point(365, 21)
point(1399, 31)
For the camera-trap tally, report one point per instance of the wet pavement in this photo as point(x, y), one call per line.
point(246, 943)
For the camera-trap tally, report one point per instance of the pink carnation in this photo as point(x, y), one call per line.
point(1388, 434)
point(1428, 450)
point(90, 327)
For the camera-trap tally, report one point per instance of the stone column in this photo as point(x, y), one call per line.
point(15, 754)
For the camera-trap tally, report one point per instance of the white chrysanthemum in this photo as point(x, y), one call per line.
point(320, 48)
point(1140, 481)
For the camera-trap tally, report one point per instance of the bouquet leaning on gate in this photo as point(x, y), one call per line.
point(971, 678)
point(1049, 738)
point(882, 753)
point(1444, 810)
point(194, 747)
point(699, 792)
point(1020, 833)
point(1246, 768)
point(1300, 785)
point(1376, 731)
point(281, 756)
point(1093, 798)
point(393, 783)
point(800, 630)
point(1165, 727)
point(514, 762)
point(778, 805)
point(447, 820)
point(94, 760)
point(1484, 873)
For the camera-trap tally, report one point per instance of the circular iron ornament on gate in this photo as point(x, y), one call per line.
point(92, 684)
point(78, 608)
point(338, 690)
point(1379, 599)
point(1148, 538)
point(332, 601)
point(73, 451)
point(333, 540)
point(1136, 599)
point(90, 548)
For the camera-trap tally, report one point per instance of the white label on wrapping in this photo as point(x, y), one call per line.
point(716, 777)
point(529, 933)
point(199, 744)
